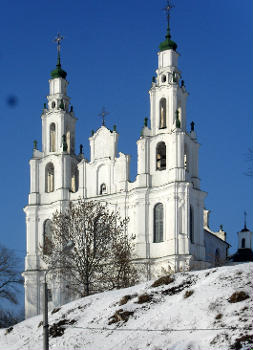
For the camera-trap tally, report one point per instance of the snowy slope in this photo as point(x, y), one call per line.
point(162, 319)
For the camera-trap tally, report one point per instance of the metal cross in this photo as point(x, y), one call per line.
point(103, 114)
point(58, 40)
point(167, 9)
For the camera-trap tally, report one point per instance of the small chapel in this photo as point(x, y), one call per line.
point(165, 202)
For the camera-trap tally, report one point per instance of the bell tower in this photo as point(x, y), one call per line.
point(58, 120)
point(54, 180)
point(168, 165)
point(167, 95)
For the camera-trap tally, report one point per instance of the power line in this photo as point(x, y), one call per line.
point(160, 330)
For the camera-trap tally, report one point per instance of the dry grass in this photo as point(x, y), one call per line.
point(120, 316)
point(56, 309)
point(188, 293)
point(245, 339)
point(179, 288)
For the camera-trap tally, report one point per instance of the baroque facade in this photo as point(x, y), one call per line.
point(165, 203)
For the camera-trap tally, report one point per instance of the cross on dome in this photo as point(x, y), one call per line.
point(167, 9)
point(58, 40)
point(58, 72)
point(168, 43)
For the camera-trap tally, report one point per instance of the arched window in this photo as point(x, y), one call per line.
point(74, 178)
point(158, 223)
point(186, 158)
point(49, 178)
point(161, 156)
point(68, 140)
point(191, 225)
point(217, 257)
point(52, 138)
point(47, 237)
point(162, 123)
point(243, 243)
point(102, 188)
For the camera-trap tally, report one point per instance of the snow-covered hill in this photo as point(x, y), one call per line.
point(204, 310)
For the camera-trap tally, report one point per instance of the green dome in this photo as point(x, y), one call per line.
point(58, 72)
point(168, 44)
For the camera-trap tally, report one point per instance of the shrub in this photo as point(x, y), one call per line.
point(218, 317)
point(144, 298)
point(57, 329)
point(238, 296)
point(8, 330)
point(164, 280)
point(126, 298)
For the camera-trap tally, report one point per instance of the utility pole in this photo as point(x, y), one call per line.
point(65, 250)
point(45, 316)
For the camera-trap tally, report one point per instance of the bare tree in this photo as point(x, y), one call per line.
point(102, 256)
point(10, 280)
point(10, 277)
point(9, 318)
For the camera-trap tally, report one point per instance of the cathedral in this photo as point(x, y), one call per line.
point(164, 204)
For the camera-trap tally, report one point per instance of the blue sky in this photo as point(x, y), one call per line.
point(110, 54)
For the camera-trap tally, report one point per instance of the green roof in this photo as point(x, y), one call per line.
point(58, 72)
point(168, 44)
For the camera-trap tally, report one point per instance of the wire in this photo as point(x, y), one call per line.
point(160, 330)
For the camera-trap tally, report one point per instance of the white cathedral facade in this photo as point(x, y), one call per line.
point(165, 203)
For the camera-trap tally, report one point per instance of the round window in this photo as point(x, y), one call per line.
point(53, 104)
point(163, 78)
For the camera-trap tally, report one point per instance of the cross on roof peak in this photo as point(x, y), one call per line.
point(103, 114)
point(58, 40)
point(167, 9)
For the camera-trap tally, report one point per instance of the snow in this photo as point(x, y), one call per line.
point(167, 322)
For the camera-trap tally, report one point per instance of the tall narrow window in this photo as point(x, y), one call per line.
point(68, 140)
point(243, 243)
point(162, 123)
point(49, 178)
point(180, 114)
point(158, 223)
point(191, 225)
point(52, 138)
point(186, 158)
point(47, 237)
point(74, 178)
point(161, 156)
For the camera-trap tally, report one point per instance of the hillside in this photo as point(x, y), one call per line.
point(193, 311)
